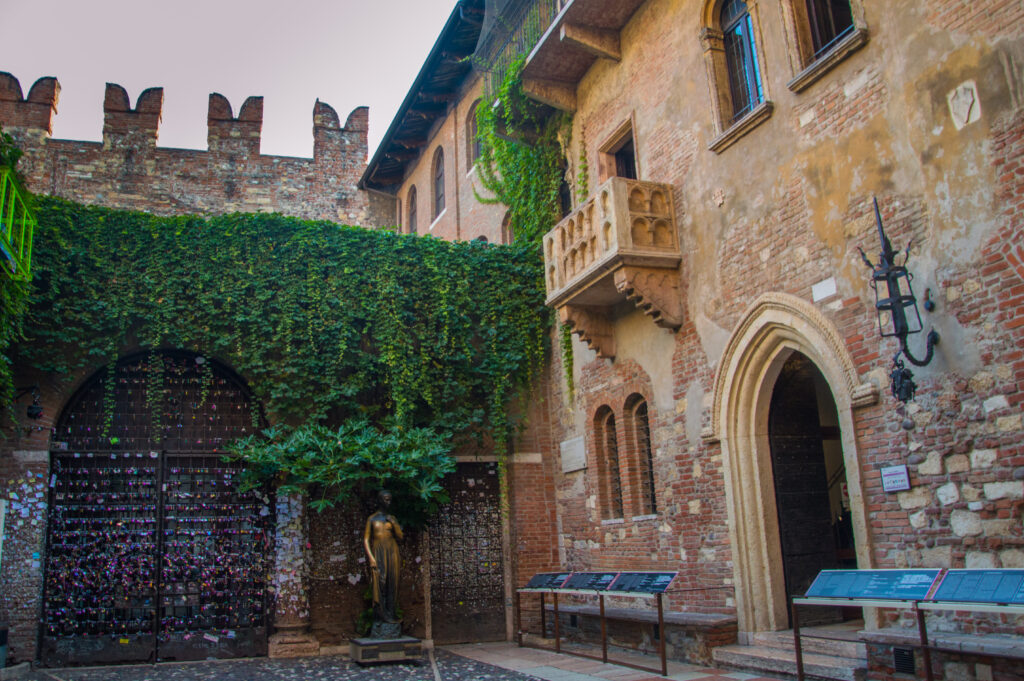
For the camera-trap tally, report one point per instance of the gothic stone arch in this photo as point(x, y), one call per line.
point(773, 328)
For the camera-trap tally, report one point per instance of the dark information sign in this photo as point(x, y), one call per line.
point(906, 585)
point(590, 581)
point(643, 582)
point(982, 586)
point(547, 580)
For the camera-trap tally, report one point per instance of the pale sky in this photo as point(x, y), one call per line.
point(346, 52)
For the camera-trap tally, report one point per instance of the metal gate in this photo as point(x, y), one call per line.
point(467, 587)
point(153, 554)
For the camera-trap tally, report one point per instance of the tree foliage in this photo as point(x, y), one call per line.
point(331, 465)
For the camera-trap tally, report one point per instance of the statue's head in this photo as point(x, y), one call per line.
point(384, 498)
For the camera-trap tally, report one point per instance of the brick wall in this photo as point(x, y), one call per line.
point(128, 170)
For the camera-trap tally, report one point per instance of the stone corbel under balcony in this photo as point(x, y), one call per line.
point(620, 247)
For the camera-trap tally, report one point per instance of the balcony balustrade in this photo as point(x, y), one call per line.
point(620, 245)
point(17, 225)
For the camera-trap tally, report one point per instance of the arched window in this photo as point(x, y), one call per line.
point(638, 431)
point(472, 139)
point(740, 58)
point(411, 212)
point(506, 229)
point(608, 463)
point(729, 38)
point(438, 182)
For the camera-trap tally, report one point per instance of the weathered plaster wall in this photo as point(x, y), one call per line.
point(786, 207)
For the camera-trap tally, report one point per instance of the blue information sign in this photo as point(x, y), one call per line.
point(905, 585)
point(590, 581)
point(547, 580)
point(643, 582)
point(982, 586)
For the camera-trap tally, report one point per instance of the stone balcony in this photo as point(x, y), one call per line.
point(620, 246)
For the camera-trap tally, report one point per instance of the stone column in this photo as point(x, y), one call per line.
point(291, 604)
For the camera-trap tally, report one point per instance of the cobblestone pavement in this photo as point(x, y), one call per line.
point(470, 662)
point(330, 668)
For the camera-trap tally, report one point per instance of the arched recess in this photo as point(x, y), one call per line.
point(139, 491)
point(771, 330)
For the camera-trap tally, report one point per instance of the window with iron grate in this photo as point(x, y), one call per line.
point(608, 463)
point(638, 428)
point(438, 182)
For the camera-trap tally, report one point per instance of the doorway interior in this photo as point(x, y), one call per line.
point(811, 494)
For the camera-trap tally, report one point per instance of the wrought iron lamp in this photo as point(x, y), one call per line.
point(34, 410)
point(896, 305)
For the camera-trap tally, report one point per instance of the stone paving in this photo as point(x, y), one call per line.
point(471, 662)
point(552, 666)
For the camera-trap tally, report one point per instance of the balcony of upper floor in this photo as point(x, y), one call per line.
point(582, 32)
point(621, 245)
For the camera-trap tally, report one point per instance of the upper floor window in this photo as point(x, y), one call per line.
point(438, 182)
point(617, 155)
point(822, 33)
point(608, 463)
point(741, 58)
point(829, 21)
point(472, 138)
point(411, 212)
point(639, 435)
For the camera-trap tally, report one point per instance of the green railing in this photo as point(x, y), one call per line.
point(17, 225)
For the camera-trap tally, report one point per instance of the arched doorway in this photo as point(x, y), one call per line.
point(811, 496)
point(775, 329)
point(152, 552)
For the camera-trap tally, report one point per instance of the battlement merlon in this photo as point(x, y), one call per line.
point(332, 141)
point(34, 112)
point(124, 125)
point(227, 134)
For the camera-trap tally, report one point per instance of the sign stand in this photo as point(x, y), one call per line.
point(625, 584)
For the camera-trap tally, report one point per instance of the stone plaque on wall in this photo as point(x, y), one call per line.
point(574, 455)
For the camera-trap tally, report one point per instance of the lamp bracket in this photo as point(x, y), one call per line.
point(932, 340)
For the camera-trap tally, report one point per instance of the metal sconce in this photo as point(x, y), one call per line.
point(34, 410)
point(896, 307)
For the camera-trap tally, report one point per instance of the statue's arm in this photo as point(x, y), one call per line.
point(366, 543)
point(396, 528)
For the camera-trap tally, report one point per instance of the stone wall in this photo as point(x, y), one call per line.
point(128, 170)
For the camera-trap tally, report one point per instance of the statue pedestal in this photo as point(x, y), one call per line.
point(370, 650)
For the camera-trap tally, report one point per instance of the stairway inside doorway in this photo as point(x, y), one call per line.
point(774, 653)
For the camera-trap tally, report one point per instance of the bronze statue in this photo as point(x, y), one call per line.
point(380, 540)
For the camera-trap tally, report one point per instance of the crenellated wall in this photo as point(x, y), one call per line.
point(128, 170)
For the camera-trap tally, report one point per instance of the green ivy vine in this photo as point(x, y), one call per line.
point(327, 323)
point(522, 157)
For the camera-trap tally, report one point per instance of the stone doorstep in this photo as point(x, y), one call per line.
point(762, 659)
point(852, 649)
point(15, 672)
point(994, 645)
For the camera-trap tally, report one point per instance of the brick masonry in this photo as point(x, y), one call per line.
point(128, 170)
point(784, 208)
